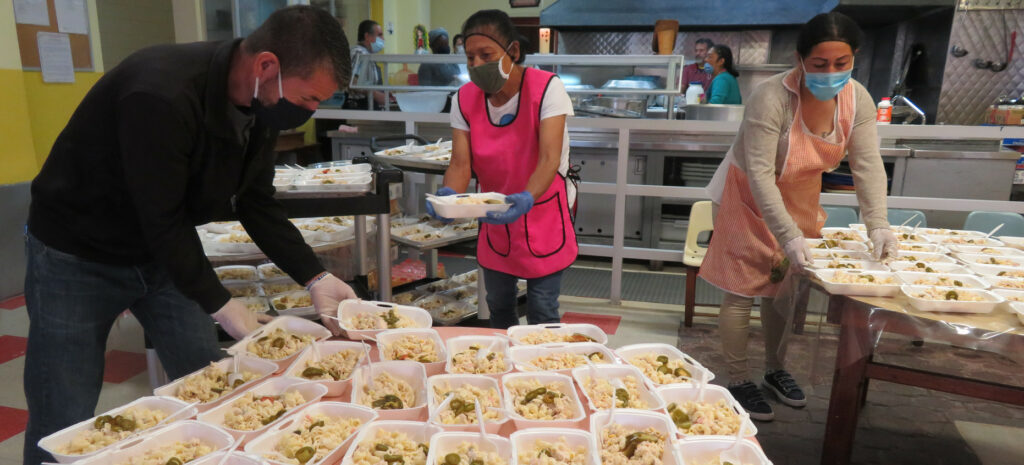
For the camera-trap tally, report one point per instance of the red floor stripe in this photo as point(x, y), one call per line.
point(122, 366)
point(12, 347)
point(608, 323)
point(13, 303)
point(14, 420)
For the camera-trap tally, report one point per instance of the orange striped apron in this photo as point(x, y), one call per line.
point(743, 250)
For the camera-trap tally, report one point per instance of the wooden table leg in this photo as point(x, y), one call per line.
point(851, 361)
point(691, 296)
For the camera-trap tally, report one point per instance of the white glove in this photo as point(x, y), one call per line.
point(798, 253)
point(236, 319)
point(327, 294)
point(884, 242)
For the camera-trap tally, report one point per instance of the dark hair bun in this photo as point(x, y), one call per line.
point(828, 27)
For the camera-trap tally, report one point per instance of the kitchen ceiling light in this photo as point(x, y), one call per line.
point(523, 3)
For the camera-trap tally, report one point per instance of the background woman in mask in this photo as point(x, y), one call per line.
point(508, 128)
point(797, 125)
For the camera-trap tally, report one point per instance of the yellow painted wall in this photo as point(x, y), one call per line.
point(51, 105)
point(18, 156)
point(450, 14)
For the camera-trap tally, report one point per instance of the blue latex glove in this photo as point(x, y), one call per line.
point(443, 191)
point(521, 203)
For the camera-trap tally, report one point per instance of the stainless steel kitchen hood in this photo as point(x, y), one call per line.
point(618, 14)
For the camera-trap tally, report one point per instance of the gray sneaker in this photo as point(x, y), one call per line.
point(785, 388)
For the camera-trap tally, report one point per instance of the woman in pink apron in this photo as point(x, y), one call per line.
point(509, 130)
point(796, 126)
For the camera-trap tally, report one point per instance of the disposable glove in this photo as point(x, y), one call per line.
point(884, 242)
point(798, 253)
point(236, 319)
point(521, 203)
point(443, 191)
point(327, 294)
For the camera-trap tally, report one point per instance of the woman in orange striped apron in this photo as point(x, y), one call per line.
point(796, 126)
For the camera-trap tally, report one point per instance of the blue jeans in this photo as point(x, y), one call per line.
point(541, 298)
point(72, 304)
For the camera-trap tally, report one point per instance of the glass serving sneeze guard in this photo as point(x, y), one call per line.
point(624, 86)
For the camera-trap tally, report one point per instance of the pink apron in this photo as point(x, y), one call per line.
point(542, 241)
point(743, 250)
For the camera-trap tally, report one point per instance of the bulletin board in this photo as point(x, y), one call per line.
point(81, 51)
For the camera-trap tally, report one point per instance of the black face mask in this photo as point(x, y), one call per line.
point(443, 50)
point(281, 115)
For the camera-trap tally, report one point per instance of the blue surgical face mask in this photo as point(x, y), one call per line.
point(825, 86)
point(377, 45)
point(707, 67)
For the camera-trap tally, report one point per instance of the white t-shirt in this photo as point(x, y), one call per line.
point(555, 102)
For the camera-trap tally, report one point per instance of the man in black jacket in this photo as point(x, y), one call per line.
point(173, 137)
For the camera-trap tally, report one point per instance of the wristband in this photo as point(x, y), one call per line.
point(316, 279)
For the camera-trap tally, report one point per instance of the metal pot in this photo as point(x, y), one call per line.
point(618, 107)
point(715, 112)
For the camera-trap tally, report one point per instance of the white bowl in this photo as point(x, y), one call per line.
point(679, 393)
point(182, 431)
point(165, 404)
point(390, 336)
point(522, 355)
point(708, 450)
point(262, 368)
point(417, 431)
point(267, 442)
point(967, 280)
point(516, 333)
point(523, 440)
point(651, 398)
point(545, 377)
point(871, 290)
point(348, 309)
point(291, 324)
point(311, 392)
point(927, 305)
point(460, 343)
point(326, 348)
point(638, 420)
point(478, 381)
point(446, 206)
point(423, 101)
point(694, 367)
point(410, 372)
point(447, 442)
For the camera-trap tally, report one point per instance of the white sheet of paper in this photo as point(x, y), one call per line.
point(71, 16)
point(31, 12)
point(55, 57)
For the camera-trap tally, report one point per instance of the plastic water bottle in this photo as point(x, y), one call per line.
point(884, 111)
point(694, 93)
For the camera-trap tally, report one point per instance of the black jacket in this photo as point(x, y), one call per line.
point(149, 154)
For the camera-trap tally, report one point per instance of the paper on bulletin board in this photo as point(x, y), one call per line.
point(31, 12)
point(72, 17)
point(55, 57)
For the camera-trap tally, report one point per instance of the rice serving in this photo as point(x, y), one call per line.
point(278, 345)
point(389, 448)
point(314, 438)
point(466, 362)
point(534, 400)
point(209, 384)
point(412, 347)
point(251, 412)
point(601, 392)
point(384, 320)
point(620, 446)
point(564, 361)
point(334, 367)
point(462, 408)
point(661, 368)
point(183, 451)
point(107, 430)
point(554, 453)
point(388, 393)
point(705, 418)
point(548, 336)
point(470, 454)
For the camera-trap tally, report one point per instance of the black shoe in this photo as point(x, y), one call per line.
point(750, 397)
point(785, 388)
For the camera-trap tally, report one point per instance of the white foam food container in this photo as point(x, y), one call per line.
point(649, 396)
point(694, 367)
point(940, 268)
point(460, 343)
point(865, 265)
point(291, 324)
point(522, 355)
point(255, 302)
point(237, 458)
point(417, 431)
point(433, 303)
point(270, 271)
point(928, 247)
point(220, 244)
point(679, 393)
point(987, 305)
point(327, 232)
point(411, 230)
point(638, 420)
point(267, 442)
point(516, 333)
point(442, 444)
point(469, 277)
point(926, 257)
point(850, 234)
point(979, 259)
point(307, 312)
point(388, 337)
point(1018, 309)
point(1008, 252)
point(241, 289)
point(909, 236)
point(965, 240)
point(1004, 283)
point(455, 312)
point(410, 372)
point(338, 184)
point(949, 232)
point(348, 309)
point(236, 273)
point(479, 381)
point(708, 450)
point(1012, 241)
point(399, 150)
point(311, 392)
point(447, 206)
point(280, 285)
point(326, 348)
point(262, 368)
point(967, 281)
point(346, 169)
point(524, 440)
point(853, 246)
point(997, 271)
point(567, 388)
point(220, 227)
point(859, 289)
point(823, 254)
point(168, 405)
point(182, 431)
